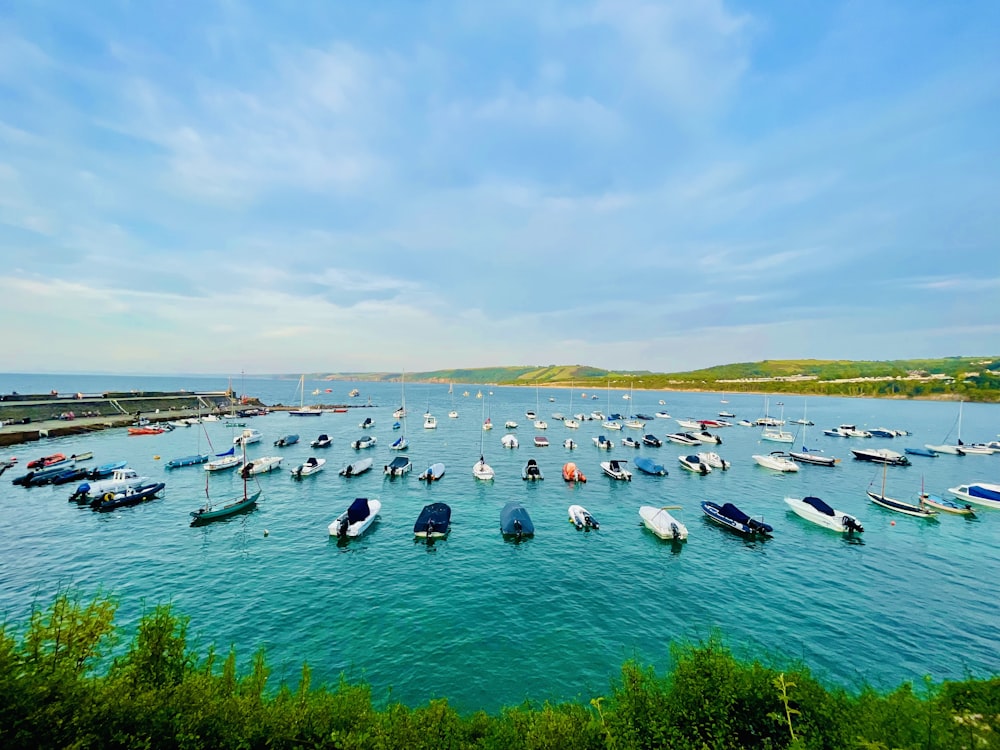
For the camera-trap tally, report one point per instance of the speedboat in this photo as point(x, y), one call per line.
point(432, 473)
point(581, 518)
point(704, 436)
point(46, 462)
point(127, 497)
point(356, 519)
point(980, 493)
point(730, 415)
point(310, 466)
point(119, 481)
point(652, 441)
point(509, 441)
point(733, 518)
point(611, 424)
point(615, 469)
point(569, 444)
point(882, 432)
point(434, 521)
point(482, 470)
point(531, 471)
point(571, 473)
point(356, 467)
point(630, 442)
point(323, 441)
point(714, 460)
point(777, 461)
point(815, 510)
point(693, 462)
point(399, 466)
point(602, 442)
point(262, 465)
point(541, 441)
point(430, 422)
point(286, 440)
point(662, 415)
point(881, 456)
point(925, 452)
point(365, 441)
point(515, 521)
point(247, 437)
point(689, 424)
point(661, 523)
point(682, 438)
point(649, 466)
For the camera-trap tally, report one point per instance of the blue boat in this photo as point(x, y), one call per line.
point(131, 496)
point(69, 475)
point(515, 521)
point(106, 470)
point(433, 522)
point(733, 518)
point(323, 441)
point(284, 442)
point(921, 452)
point(649, 466)
point(176, 463)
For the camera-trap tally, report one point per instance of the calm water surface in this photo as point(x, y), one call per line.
point(487, 622)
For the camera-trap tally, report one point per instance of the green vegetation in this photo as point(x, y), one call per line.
point(64, 683)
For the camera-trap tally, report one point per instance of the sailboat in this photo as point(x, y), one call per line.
point(959, 448)
point(481, 469)
point(571, 422)
point(812, 456)
point(209, 512)
point(633, 422)
point(773, 432)
point(609, 423)
point(453, 414)
point(193, 460)
point(540, 424)
point(304, 411)
point(401, 443)
point(900, 506)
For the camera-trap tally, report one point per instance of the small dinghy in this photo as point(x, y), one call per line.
point(433, 473)
point(616, 470)
point(356, 519)
point(368, 441)
point(323, 441)
point(131, 496)
point(630, 442)
point(661, 523)
point(509, 441)
point(714, 460)
point(482, 470)
point(286, 440)
point(311, 465)
point(649, 466)
point(581, 518)
point(603, 443)
point(733, 518)
point(434, 521)
point(571, 473)
point(532, 472)
point(816, 510)
point(367, 423)
point(399, 466)
point(355, 468)
point(569, 444)
point(946, 505)
point(515, 522)
point(652, 441)
point(262, 465)
point(694, 463)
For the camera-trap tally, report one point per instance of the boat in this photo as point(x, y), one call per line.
point(510, 424)
point(515, 521)
point(541, 441)
point(365, 441)
point(662, 415)
point(954, 449)
point(193, 460)
point(881, 432)
point(925, 452)
point(226, 460)
point(818, 512)
point(509, 441)
point(303, 410)
point(569, 444)
point(704, 436)
point(285, 441)
point(689, 424)
point(597, 416)
point(731, 517)
point(812, 456)
point(980, 493)
point(356, 520)
point(581, 518)
point(714, 460)
point(433, 473)
point(900, 506)
point(72, 474)
point(615, 468)
point(682, 438)
point(261, 465)
point(146, 430)
point(39, 477)
point(119, 481)
point(649, 466)
point(399, 466)
point(323, 441)
point(611, 422)
point(46, 462)
point(481, 469)
point(401, 411)
point(630, 442)
point(248, 437)
point(366, 423)
point(772, 427)
point(434, 521)
point(693, 462)
point(602, 442)
point(662, 523)
point(354, 393)
point(652, 441)
point(531, 471)
point(354, 468)
point(571, 473)
point(106, 469)
point(727, 415)
point(400, 444)
point(847, 431)
point(130, 496)
point(488, 424)
point(776, 461)
point(946, 505)
point(430, 422)
point(880, 456)
point(7, 463)
point(311, 465)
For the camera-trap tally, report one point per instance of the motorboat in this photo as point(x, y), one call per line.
point(630, 442)
point(311, 465)
point(541, 441)
point(248, 437)
point(147, 430)
point(39, 477)
point(509, 441)
point(515, 522)
point(682, 438)
point(531, 471)
point(356, 520)
point(946, 504)
point(119, 481)
point(714, 460)
point(727, 415)
point(365, 441)
point(881, 456)
point(582, 519)
point(813, 456)
point(432, 473)
point(693, 462)
point(569, 444)
point(399, 466)
point(72, 474)
point(571, 424)
point(223, 461)
point(615, 468)
point(847, 431)
point(434, 521)
point(193, 460)
point(602, 442)
point(649, 466)
point(488, 424)
point(925, 452)
point(662, 415)
point(776, 461)
point(731, 517)
point(882, 432)
point(571, 473)
point(355, 468)
point(125, 498)
point(597, 416)
point(768, 422)
point(980, 493)
point(286, 440)
point(262, 465)
point(611, 424)
point(530, 414)
point(510, 424)
point(818, 512)
point(662, 523)
point(652, 441)
point(704, 436)
point(430, 422)
point(47, 462)
point(541, 424)
point(482, 470)
point(745, 423)
point(453, 414)
point(689, 424)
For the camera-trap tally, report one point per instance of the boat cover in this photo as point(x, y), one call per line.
point(399, 462)
point(732, 512)
point(532, 469)
point(693, 459)
point(977, 490)
point(434, 517)
point(515, 521)
point(358, 510)
point(819, 505)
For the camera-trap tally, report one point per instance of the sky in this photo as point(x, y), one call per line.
point(280, 187)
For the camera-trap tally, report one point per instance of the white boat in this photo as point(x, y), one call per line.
point(430, 422)
point(704, 436)
point(119, 481)
point(848, 431)
point(400, 444)
point(571, 424)
point(980, 493)
point(630, 442)
point(453, 414)
point(248, 437)
point(581, 518)
point(509, 441)
point(532, 471)
point(355, 468)
point(261, 465)
point(432, 473)
point(482, 470)
point(310, 466)
point(597, 416)
point(223, 461)
point(569, 444)
point(662, 523)
point(365, 441)
point(602, 442)
point(714, 460)
point(881, 456)
point(303, 410)
point(541, 441)
point(510, 424)
point(689, 424)
point(356, 519)
point(399, 466)
point(772, 429)
point(611, 424)
point(693, 462)
point(662, 415)
point(541, 424)
point(615, 468)
point(818, 512)
point(323, 441)
point(777, 461)
point(366, 423)
point(954, 449)
point(682, 438)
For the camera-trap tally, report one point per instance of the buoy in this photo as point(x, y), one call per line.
point(266, 532)
point(892, 523)
point(156, 458)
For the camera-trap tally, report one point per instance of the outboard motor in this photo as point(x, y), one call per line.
point(517, 528)
point(850, 524)
point(342, 530)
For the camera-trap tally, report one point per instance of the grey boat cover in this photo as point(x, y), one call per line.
point(434, 517)
point(819, 505)
point(515, 521)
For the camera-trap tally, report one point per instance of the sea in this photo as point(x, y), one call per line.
point(486, 622)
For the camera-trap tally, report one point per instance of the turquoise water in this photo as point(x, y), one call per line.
point(489, 623)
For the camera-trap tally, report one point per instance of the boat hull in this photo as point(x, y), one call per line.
point(662, 523)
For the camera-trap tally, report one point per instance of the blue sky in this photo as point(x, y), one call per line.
point(316, 186)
